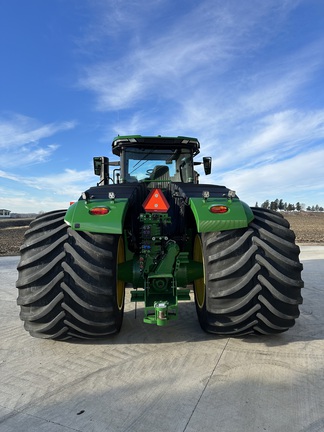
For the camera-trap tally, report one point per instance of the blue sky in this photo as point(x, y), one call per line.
point(245, 78)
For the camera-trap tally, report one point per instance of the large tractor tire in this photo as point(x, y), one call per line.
point(252, 278)
point(67, 281)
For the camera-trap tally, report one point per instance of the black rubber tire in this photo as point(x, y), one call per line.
point(252, 280)
point(67, 281)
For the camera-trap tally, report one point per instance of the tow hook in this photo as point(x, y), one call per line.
point(161, 312)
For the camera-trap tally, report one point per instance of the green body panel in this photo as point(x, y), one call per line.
point(79, 218)
point(239, 214)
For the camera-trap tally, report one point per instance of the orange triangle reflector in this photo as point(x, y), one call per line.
point(156, 202)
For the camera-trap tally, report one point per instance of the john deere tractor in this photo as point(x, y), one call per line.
point(150, 225)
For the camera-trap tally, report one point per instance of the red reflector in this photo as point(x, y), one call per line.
point(156, 202)
point(97, 211)
point(218, 209)
point(72, 202)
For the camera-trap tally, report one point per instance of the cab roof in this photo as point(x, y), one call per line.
point(156, 142)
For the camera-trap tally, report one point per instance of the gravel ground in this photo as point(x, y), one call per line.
point(308, 227)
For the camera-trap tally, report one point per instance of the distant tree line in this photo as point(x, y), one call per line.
point(280, 205)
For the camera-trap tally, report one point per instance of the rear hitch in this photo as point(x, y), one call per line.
point(161, 313)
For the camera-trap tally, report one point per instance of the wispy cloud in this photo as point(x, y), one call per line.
point(272, 138)
point(21, 136)
point(32, 204)
point(293, 128)
point(202, 43)
point(69, 183)
point(34, 194)
point(19, 130)
point(299, 178)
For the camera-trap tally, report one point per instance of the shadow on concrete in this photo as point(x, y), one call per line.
point(182, 395)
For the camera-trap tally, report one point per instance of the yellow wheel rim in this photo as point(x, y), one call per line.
point(199, 284)
point(120, 283)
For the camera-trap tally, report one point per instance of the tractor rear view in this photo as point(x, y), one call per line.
point(148, 223)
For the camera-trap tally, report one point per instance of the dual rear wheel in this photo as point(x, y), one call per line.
point(252, 278)
point(67, 282)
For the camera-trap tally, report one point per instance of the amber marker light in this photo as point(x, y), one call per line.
point(99, 211)
point(218, 209)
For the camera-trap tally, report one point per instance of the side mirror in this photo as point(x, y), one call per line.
point(100, 167)
point(207, 161)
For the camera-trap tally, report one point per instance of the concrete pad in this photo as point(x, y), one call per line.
point(313, 252)
point(175, 378)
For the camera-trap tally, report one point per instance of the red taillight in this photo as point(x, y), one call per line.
point(218, 209)
point(98, 211)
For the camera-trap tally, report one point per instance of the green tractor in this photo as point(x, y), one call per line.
point(150, 225)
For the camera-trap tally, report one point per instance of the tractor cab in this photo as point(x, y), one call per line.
point(155, 161)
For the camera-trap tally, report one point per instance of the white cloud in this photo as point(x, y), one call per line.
point(19, 130)
point(195, 50)
point(299, 178)
point(33, 205)
point(272, 138)
point(115, 18)
point(69, 183)
point(29, 154)
point(8, 176)
point(21, 136)
point(43, 193)
point(288, 127)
